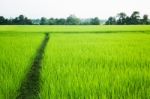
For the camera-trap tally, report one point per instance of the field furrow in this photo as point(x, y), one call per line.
point(30, 86)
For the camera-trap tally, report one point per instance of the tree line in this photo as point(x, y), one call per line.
point(120, 19)
point(70, 20)
point(20, 20)
point(133, 19)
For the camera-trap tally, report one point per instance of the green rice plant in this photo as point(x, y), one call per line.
point(96, 66)
point(76, 28)
point(16, 55)
point(80, 62)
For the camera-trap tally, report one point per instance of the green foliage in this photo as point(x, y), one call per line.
point(123, 19)
point(72, 20)
point(95, 21)
point(2, 20)
point(111, 21)
point(20, 20)
point(43, 21)
point(145, 19)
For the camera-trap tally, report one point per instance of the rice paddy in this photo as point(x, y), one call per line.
point(16, 55)
point(79, 62)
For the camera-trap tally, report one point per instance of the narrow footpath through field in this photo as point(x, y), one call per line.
point(30, 86)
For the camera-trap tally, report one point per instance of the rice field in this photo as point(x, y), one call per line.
point(76, 28)
point(96, 66)
point(79, 62)
point(16, 55)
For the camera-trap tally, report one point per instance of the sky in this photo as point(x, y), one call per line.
point(63, 8)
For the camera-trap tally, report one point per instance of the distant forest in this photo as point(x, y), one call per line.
point(119, 19)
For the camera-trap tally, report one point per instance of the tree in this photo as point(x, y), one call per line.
point(15, 21)
point(111, 21)
point(43, 21)
point(51, 21)
point(135, 17)
point(122, 15)
point(36, 21)
point(2, 20)
point(21, 19)
point(85, 21)
point(145, 19)
point(128, 20)
point(60, 21)
point(72, 20)
point(95, 21)
point(27, 21)
point(122, 18)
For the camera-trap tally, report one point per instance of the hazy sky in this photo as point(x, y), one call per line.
point(63, 8)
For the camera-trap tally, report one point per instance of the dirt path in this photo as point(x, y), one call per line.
point(30, 86)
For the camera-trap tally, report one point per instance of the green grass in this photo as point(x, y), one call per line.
point(16, 55)
point(96, 66)
point(80, 62)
